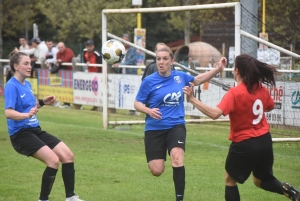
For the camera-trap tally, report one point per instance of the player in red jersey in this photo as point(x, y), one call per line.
point(251, 148)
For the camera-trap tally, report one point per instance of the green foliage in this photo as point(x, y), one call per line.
point(283, 17)
point(14, 15)
point(111, 164)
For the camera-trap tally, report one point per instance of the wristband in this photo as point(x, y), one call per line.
point(41, 102)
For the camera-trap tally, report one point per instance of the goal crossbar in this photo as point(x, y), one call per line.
point(169, 9)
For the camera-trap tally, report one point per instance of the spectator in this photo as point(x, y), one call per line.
point(92, 56)
point(129, 59)
point(23, 43)
point(64, 54)
point(152, 67)
point(51, 54)
point(39, 51)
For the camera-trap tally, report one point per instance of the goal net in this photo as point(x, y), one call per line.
point(199, 36)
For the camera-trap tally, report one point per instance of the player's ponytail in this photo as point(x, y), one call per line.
point(254, 72)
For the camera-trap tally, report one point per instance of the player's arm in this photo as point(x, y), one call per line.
point(49, 100)
point(15, 115)
point(211, 112)
point(154, 112)
point(203, 77)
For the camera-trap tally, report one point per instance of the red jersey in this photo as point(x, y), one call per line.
point(92, 59)
point(66, 56)
point(246, 111)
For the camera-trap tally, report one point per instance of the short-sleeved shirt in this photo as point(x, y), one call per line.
point(20, 98)
point(165, 93)
point(246, 111)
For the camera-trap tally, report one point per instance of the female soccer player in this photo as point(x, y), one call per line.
point(25, 132)
point(165, 124)
point(251, 147)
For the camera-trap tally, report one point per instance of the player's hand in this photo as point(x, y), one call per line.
point(155, 113)
point(32, 112)
point(49, 100)
point(189, 91)
point(222, 63)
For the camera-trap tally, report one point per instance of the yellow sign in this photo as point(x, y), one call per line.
point(61, 94)
point(54, 80)
point(34, 85)
point(265, 37)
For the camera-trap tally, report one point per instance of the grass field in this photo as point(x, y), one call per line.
point(111, 165)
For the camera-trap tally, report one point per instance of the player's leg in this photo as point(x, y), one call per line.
point(47, 156)
point(66, 157)
point(239, 165)
point(231, 189)
point(263, 172)
point(155, 148)
point(176, 139)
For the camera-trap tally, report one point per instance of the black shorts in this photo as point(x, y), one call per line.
point(157, 142)
point(251, 155)
point(29, 140)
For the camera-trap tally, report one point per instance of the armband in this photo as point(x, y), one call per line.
point(41, 103)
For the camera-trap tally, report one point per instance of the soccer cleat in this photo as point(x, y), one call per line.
point(290, 192)
point(74, 198)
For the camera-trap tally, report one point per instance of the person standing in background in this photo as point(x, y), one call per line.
point(92, 56)
point(64, 54)
point(51, 54)
point(129, 59)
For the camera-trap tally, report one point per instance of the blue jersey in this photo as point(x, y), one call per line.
point(165, 93)
point(20, 98)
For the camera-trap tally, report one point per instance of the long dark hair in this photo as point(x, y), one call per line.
point(254, 72)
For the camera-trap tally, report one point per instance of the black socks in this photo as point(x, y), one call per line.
point(68, 175)
point(179, 182)
point(47, 182)
point(232, 193)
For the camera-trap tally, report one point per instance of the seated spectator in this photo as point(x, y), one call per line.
point(92, 56)
point(51, 54)
point(129, 59)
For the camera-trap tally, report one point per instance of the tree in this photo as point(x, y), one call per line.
point(283, 18)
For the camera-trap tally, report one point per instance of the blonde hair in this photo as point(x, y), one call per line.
point(166, 49)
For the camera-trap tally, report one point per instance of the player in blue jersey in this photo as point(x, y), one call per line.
point(25, 132)
point(165, 124)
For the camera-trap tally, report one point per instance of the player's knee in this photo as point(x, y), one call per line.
point(156, 171)
point(177, 157)
point(53, 162)
point(68, 157)
point(229, 181)
point(256, 182)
